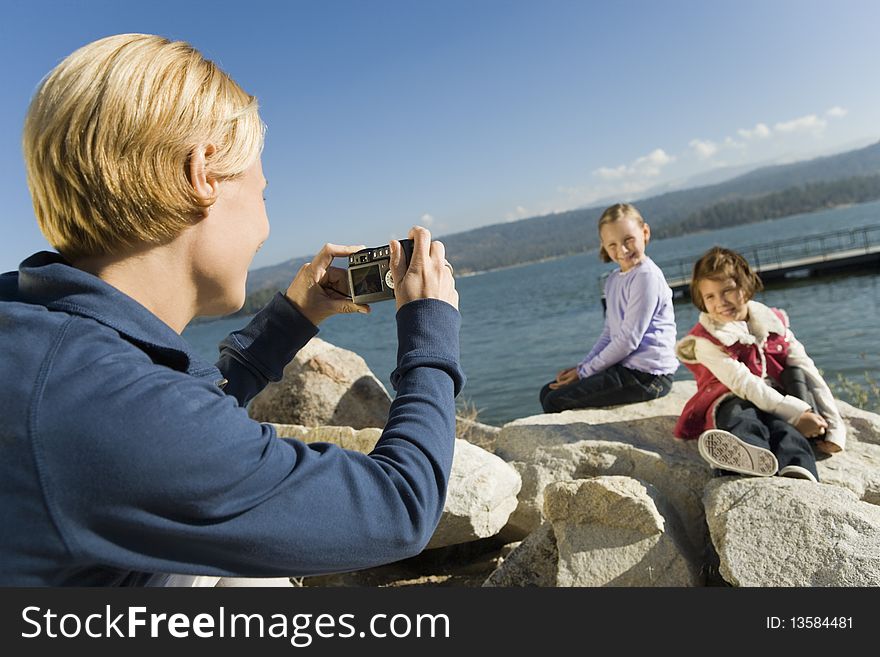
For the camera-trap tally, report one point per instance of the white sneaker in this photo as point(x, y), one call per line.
point(725, 451)
point(797, 472)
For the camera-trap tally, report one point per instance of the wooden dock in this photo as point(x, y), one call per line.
point(801, 257)
point(811, 255)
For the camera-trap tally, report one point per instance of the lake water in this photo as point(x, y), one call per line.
point(523, 324)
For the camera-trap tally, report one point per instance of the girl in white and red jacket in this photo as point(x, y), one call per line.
point(740, 351)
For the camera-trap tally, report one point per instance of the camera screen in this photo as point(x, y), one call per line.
point(366, 280)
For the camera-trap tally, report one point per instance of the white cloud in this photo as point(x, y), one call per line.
point(656, 158)
point(607, 173)
point(703, 148)
point(760, 131)
point(646, 166)
point(519, 213)
point(730, 142)
point(809, 123)
point(427, 220)
point(630, 180)
point(706, 149)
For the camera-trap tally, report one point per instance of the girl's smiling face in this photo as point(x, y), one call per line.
point(624, 241)
point(725, 301)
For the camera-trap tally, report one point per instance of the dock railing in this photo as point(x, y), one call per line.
point(785, 257)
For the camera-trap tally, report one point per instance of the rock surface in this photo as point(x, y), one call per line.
point(634, 441)
point(785, 532)
point(482, 491)
point(637, 441)
point(531, 563)
point(324, 385)
point(605, 496)
point(610, 531)
point(481, 496)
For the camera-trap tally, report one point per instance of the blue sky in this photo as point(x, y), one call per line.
point(456, 114)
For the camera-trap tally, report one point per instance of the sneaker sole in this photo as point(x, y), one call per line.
point(797, 472)
point(725, 451)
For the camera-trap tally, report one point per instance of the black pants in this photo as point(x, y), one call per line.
point(612, 387)
point(752, 425)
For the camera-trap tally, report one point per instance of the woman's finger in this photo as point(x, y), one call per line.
point(438, 251)
point(421, 238)
point(324, 258)
point(336, 279)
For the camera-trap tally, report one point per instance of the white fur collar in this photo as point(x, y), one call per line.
point(762, 322)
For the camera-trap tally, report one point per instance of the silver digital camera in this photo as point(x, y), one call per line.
point(369, 273)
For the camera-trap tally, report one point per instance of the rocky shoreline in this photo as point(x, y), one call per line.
point(603, 497)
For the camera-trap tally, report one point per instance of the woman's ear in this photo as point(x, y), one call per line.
point(205, 186)
point(647, 230)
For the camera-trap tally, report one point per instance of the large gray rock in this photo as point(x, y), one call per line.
point(357, 440)
point(533, 562)
point(863, 426)
point(634, 441)
point(679, 474)
point(324, 385)
point(637, 441)
point(785, 532)
point(647, 424)
point(477, 433)
point(481, 496)
point(482, 491)
point(857, 468)
point(610, 531)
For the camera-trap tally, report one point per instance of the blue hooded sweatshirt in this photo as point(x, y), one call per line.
point(124, 455)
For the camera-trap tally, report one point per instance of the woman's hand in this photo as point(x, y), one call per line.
point(811, 424)
point(565, 377)
point(429, 275)
point(320, 290)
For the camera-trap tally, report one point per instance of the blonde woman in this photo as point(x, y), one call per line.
point(125, 455)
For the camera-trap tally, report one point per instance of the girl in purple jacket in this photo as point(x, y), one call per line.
point(634, 358)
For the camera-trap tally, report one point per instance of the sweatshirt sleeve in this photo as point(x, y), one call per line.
point(258, 353)
point(644, 297)
point(827, 407)
point(601, 343)
point(741, 382)
point(172, 476)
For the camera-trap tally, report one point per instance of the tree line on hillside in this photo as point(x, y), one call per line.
point(795, 200)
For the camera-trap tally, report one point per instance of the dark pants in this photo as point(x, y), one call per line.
point(612, 387)
point(794, 382)
point(752, 425)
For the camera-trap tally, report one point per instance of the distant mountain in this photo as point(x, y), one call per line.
point(810, 197)
point(275, 276)
point(702, 179)
point(572, 232)
point(666, 208)
point(566, 233)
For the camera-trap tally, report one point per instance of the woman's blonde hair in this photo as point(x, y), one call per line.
point(720, 264)
point(616, 212)
point(109, 135)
